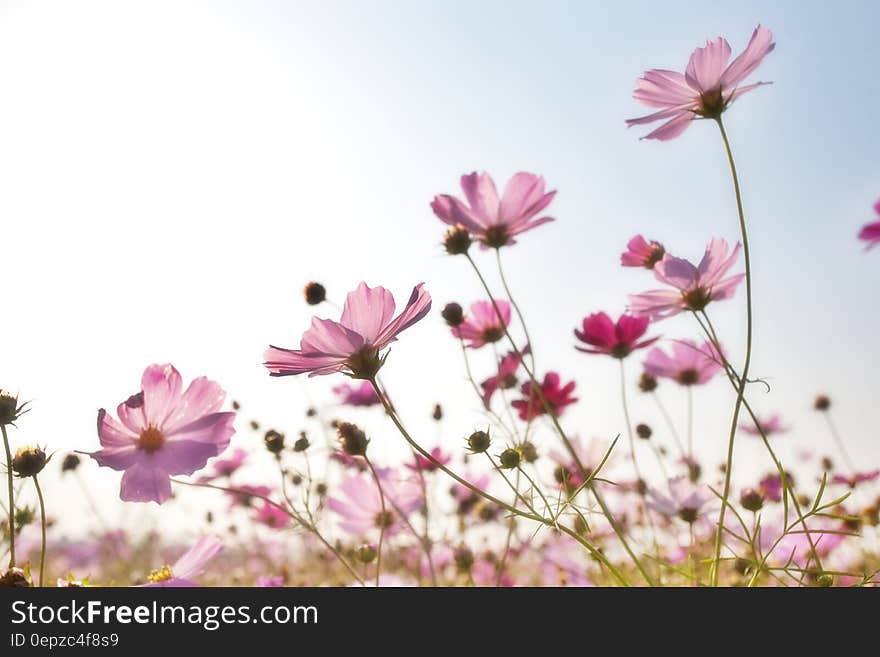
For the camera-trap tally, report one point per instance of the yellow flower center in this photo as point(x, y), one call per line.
point(151, 439)
point(161, 574)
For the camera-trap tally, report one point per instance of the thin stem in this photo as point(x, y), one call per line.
point(669, 423)
point(384, 516)
point(511, 525)
point(11, 497)
point(716, 563)
point(839, 442)
point(42, 529)
point(690, 424)
point(629, 428)
point(516, 309)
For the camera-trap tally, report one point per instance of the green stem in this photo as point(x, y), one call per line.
point(384, 514)
point(669, 423)
point(839, 442)
point(516, 309)
point(11, 497)
point(42, 529)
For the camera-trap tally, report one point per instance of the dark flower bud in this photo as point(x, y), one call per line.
point(13, 578)
point(641, 487)
point(510, 458)
point(871, 515)
point(366, 553)
point(643, 431)
point(301, 444)
point(822, 403)
point(528, 451)
point(315, 293)
point(274, 441)
point(236, 406)
point(751, 500)
point(352, 440)
point(453, 314)
point(478, 442)
point(209, 517)
point(457, 240)
point(695, 471)
point(464, 559)
point(70, 463)
point(742, 566)
point(804, 500)
point(647, 383)
point(321, 489)
point(28, 461)
point(438, 412)
point(296, 480)
point(827, 464)
point(9, 408)
point(311, 412)
point(580, 525)
point(255, 426)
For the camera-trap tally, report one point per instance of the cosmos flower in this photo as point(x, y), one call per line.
point(163, 431)
point(685, 500)
point(769, 426)
point(426, 465)
point(590, 454)
point(618, 340)
point(362, 394)
point(270, 581)
point(226, 466)
point(770, 487)
point(506, 377)
point(493, 221)
point(557, 396)
point(359, 506)
point(483, 326)
point(856, 478)
point(642, 253)
point(690, 363)
point(870, 233)
point(245, 495)
point(271, 516)
point(694, 286)
point(191, 564)
point(707, 88)
point(352, 344)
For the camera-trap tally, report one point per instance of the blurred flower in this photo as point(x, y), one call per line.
point(695, 286)
point(362, 394)
point(493, 221)
point(191, 564)
point(314, 293)
point(856, 478)
point(557, 397)
point(618, 340)
point(163, 431)
point(506, 377)
point(483, 326)
point(770, 487)
point(245, 494)
point(769, 426)
point(685, 500)
point(689, 363)
point(271, 516)
point(352, 344)
point(225, 467)
point(641, 253)
point(360, 506)
point(708, 86)
point(870, 233)
point(270, 581)
point(590, 455)
point(427, 465)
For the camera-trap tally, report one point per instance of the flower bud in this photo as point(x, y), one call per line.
point(438, 412)
point(274, 441)
point(457, 240)
point(14, 578)
point(478, 442)
point(464, 559)
point(28, 461)
point(301, 444)
point(296, 479)
point(70, 463)
point(643, 431)
point(822, 403)
point(9, 408)
point(352, 440)
point(321, 489)
point(529, 451)
point(751, 500)
point(315, 293)
point(366, 553)
point(510, 458)
point(647, 383)
point(453, 314)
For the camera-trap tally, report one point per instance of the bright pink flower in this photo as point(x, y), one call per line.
point(191, 564)
point(690, 364)
point(855, 479)
point(226, 467)
point(271, 516)
point(870, 233)
point(362, 394)
point(163, 431)
point(771, 487)
point(770, 426)
point(695, 286)
point(352, 344)
point(557, 396)
point(642, 253)
point(493, 221)
point(618, 340)
point(360, 506)
point(483, 326)
point(708, 86)
point(425, 465)
point(245, 495)
point(506, 377)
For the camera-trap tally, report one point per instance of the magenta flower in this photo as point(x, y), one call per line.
point(870, 233)
point(426, 465)
point(191, 564)
point(685, 500)
point(271, 516)
point(226, 467)
point(557, 396)
point(770, 487)
point(855, 479)
point(709, 85)
point(690, 364)
point(483, 326)
point(493, 221)
point(360, 395)
point(360, 506)
point(769, 426)
point(163, 431)
point(618, 340)
point(245, 495)
point(590, 455)
point(352, 344)
point(506, 377)
point(642, 253)
point(695, 286)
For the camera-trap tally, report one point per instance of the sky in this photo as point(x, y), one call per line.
point(173, 173)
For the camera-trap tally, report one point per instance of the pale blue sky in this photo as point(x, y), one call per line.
point(171, 173)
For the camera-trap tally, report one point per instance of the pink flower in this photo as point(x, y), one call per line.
point(694, 286)
point(360, 395)
point(463, 494)
point(590, 455)
point(245, 495)
point(685, 500)
point(770, 426)
point(191, 564)
point(855, 479)
point(708, 86)
point(484, 325)
point(558, 397)
point(271, 516)
point(870, 233)
point(690, 364)
point(641, 253)
point(270, 581)
point(506, 377)
point(770, 487)
point(425, 465)
point(495, 222)
point(360, 506)
point(618, 340)
point(352, 344)
point(226, 467)
point(163, 431)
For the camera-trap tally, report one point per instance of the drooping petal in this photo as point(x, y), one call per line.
point(453, 212)
point(288, 362)
point(143, 482)
point(655, 304)
point(672, 129)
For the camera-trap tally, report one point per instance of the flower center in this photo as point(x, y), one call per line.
point(507, 382)
point(696, 299)
point(711, 103)
point(620, 350)
point(160, 574)
point(151, 439)
point(688, 377)
point(365, 363)
point(495, 236)
point(688, 514)
point(384, 520)
point(492, 334)
point(657, 253)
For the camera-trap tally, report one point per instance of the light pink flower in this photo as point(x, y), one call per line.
point(245, 495)
point(589, 453)
point(163, 431)
point(352, 344)
point(690, 363)
point(642, 253)
point(618, 340)
point(191, 564)
point(556, 395)
point(493, 221)
point(483, 325)
point(771, 487)
point(771, 425)
point(226, 467)
point(270, 581)
point(870, 233)
point(360, 505)
point(855, 479)
point(694, 286)
point(686, 500)
point(708, 86)
point(362, 394)
point(506, 377)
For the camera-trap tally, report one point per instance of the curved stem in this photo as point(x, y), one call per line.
point(42, 529)
point(839, 442)
point(716, 562)
point(669, 423)
point(384, 515)
point(511, 526)
point(516, 309)
point(11, 496)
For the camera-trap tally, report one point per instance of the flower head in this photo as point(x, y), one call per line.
point(362, 394)
point(427, 465)
point(614, 339)
point(483, 326)
point(352, 344)
point(556, 395)
point(360, 505)
point(191, 564)
point(870, 233)
point(685, 500)
point(856, 478)
point(495, 221)
point(642, 253)
point(29, 461)
point(162, 431)
point(769, 426)
point(694, 286)
point(709, 85)
point(506, 377)
point(690, 363)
